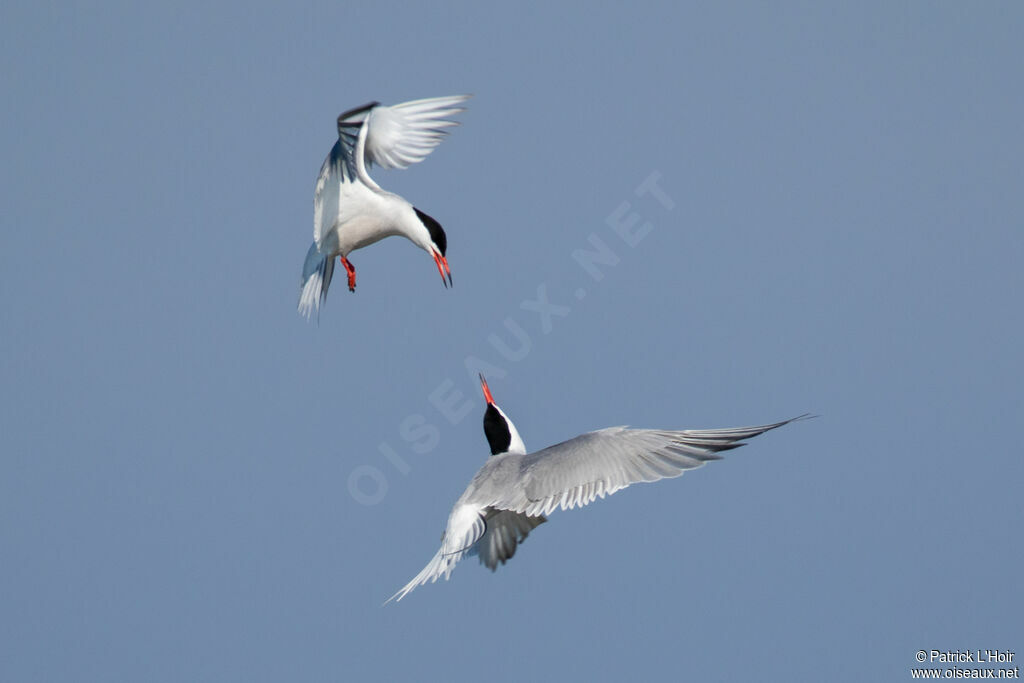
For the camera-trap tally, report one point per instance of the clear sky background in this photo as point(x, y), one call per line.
point(198, 485)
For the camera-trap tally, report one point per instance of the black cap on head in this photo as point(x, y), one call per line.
point(435, 230)
point(496, 430)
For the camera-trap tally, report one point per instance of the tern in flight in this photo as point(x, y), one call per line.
point(351, 211)
point(511, 494)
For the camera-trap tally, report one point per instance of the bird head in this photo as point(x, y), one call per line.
point(500, 432)
point(438, 245)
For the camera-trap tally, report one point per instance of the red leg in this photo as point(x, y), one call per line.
point(351, 270)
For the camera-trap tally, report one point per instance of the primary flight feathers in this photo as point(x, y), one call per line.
point(406, 133)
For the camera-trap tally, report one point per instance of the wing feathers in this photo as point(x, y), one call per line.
point(594, 465)
point(404, 134)
point(505, 531)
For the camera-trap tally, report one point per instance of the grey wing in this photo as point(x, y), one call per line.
point(505, 531)
point(594, 465)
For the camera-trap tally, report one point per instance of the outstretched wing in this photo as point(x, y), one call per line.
point(594, 465)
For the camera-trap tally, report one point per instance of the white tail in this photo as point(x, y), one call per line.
point(317, 272)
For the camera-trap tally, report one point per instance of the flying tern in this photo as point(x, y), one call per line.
point(351, 211)
point(514, 491)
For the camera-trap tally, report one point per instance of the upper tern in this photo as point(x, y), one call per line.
point(351, 211)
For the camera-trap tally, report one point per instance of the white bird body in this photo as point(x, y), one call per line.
point(351, 211)
point(514, 491)
point(366, 216)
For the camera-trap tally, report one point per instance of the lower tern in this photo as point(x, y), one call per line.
point(514, 491)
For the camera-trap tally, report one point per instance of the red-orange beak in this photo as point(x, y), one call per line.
point(443, 269)
point(487, 390)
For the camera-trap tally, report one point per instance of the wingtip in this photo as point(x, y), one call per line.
point(400, 593)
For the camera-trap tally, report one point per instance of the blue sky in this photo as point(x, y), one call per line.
point(837, 229)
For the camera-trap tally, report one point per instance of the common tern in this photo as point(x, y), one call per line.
point(515, 490)
point(351, 211)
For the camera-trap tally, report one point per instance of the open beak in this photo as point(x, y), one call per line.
point(487, 390)
point(443, 269)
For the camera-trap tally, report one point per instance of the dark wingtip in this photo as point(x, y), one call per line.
point(353, 112)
